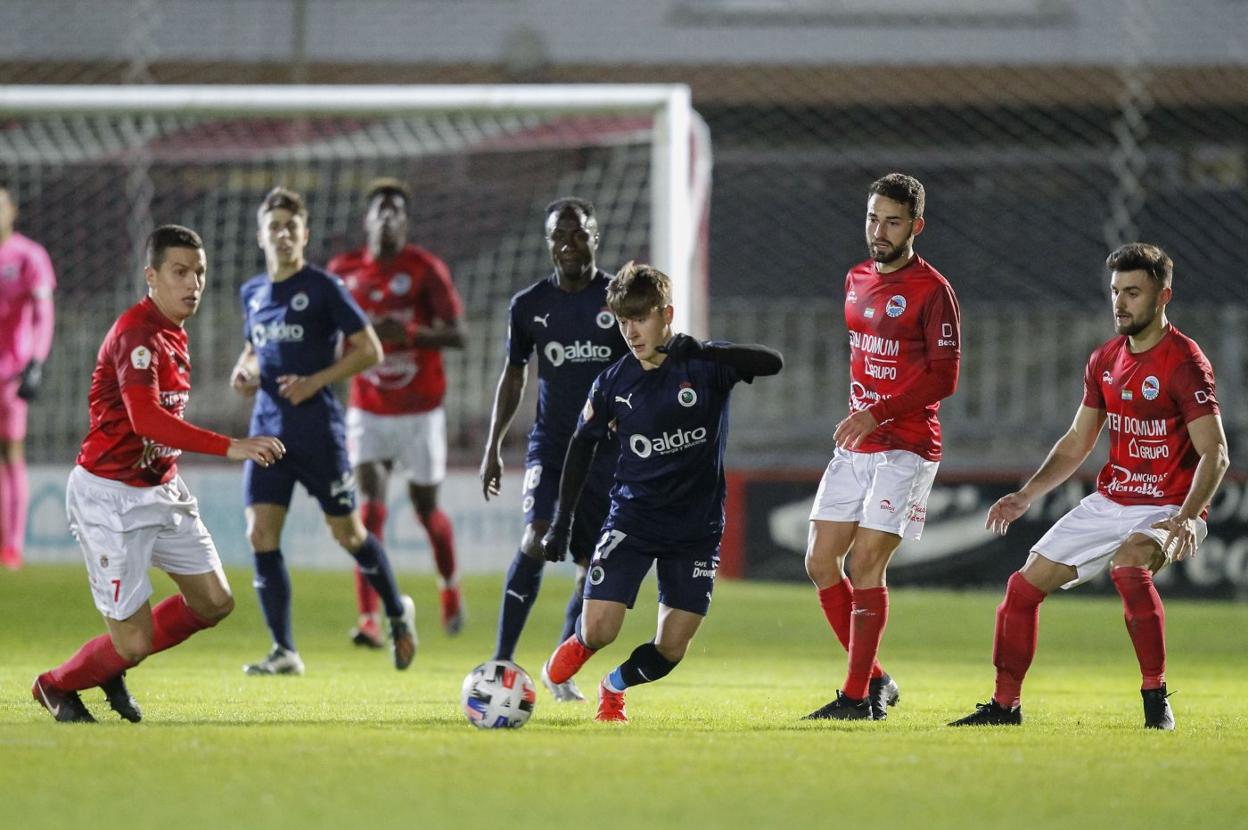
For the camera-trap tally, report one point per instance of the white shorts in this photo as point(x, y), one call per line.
point(123, 531)
point(880, 491)
point(1087, 537)
point(416, 442)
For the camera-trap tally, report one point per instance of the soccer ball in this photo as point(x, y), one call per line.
point(498, 695)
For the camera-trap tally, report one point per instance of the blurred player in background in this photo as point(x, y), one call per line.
point(668, 405)
point(127, 506)
point(295, 315)
point(565, 319)
point(1167, 455)
point(26, 286)
point(395, 411)
point(904, 326)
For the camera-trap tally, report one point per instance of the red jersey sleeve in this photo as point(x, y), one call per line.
point(1093, 395)
point(942, 325)
point(136, 359)
point(438, 295)
point(149, 420)
point(1193, 389)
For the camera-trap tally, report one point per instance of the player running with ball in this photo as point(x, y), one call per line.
point(668, 403)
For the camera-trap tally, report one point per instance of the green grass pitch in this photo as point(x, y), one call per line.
point(717, 744)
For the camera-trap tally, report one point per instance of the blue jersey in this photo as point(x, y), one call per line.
point(295, 327)
point(672, 424)
point(575, 336)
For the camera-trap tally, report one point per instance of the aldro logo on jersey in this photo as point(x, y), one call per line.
point(282, 332)
point(580, 351)
point(669, 442)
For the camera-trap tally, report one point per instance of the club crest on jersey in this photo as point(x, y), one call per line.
point(605, 319)
point(596, 575)
point(1150, 388)
point(896, 305)
point(400, 284)
point(686, 397)
point(299, 302)
point(140, 357)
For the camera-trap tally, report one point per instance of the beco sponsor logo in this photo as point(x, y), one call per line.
point(579, 351)
point(668, 442)
point(276, 333)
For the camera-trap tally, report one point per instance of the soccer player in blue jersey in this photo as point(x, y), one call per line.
point(564, 319)
point(295, 316)
point(668, 405)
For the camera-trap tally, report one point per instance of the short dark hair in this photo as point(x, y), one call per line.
point(170, 236)
point(387, 186)
point(281, 198)
point(637, 290)
point(901, 188)
point(1140, 256)
point(563, 203)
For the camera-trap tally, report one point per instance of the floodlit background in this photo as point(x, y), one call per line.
point(1047, 132)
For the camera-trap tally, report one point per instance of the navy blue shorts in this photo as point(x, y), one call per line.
point(540, 495)
point(686, 574)
point(324, 471)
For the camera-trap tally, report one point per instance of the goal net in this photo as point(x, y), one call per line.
point(96, 168)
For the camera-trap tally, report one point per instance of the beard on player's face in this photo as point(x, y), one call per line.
point(1135, 323)
point(889, 252)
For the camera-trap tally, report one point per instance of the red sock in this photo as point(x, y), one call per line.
point(837, 601)
point(95, 663)
point(1146, 622)
point(173, 621)
point(867, 620)
point(1014, 641)
point(442, 540)
point(568, 659)
point(373, 513)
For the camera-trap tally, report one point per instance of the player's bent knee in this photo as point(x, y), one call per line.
point(672, 652)
point(262, 540)
point(216, 609)
point(132, 649)
point(598, 635)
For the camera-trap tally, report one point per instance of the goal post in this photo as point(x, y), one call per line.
point(94, 168)
point(678, 200)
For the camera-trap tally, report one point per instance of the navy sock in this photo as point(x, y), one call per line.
point(272, 584)
point(375, 566)
point(644, 665)
point(572, 614)
point(524, 579)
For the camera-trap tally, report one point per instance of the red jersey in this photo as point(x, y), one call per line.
point(899, 324)
point(1149, 399)
point(414, 288)
point(144, 357)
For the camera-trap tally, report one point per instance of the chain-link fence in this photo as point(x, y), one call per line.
point(1034, 172)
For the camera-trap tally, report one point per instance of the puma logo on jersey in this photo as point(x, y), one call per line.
point(542, 319)
point(627, 401)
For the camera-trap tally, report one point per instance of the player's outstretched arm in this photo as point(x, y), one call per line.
point(363, 351)
point(245, 376)
point(576, 464)
point(507, 397)
point(752, 361)
point(1070, 451)
point(1209, 441)
point(150, 420)
point(262, 449)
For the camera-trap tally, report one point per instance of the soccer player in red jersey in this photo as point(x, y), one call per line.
point(26, 285)
point(127, 506)
point(904, 329)
point(1154, 388)
point(395, 410)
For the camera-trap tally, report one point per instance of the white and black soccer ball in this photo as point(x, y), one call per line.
point(498, 695)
